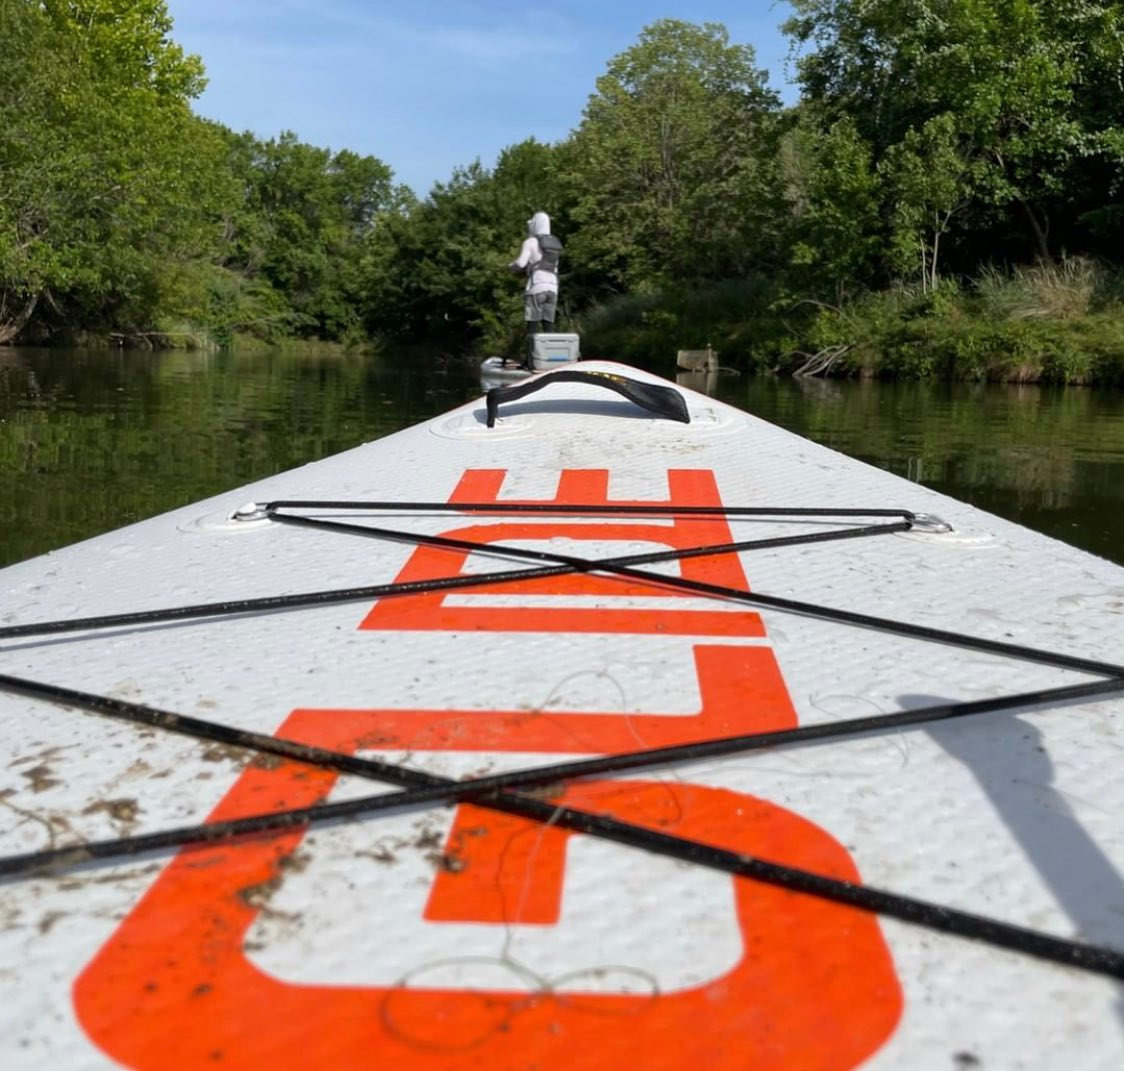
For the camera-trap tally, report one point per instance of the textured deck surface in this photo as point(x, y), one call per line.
point(450, 938)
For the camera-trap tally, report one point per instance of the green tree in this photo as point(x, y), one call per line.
point(668, 172)
point(833, 193)
point(109, 183)
point(301, 225)
point(1035, 88)
point(929, 180)
point(131, 41)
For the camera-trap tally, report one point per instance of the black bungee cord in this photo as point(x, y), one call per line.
point(496, 792)
point(625, 568)
point(233, 607)
point(475, 788)
point(569, 564)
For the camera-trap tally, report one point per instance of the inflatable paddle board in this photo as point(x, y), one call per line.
point(580, 729)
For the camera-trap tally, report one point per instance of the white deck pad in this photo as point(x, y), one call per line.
point(469, 937)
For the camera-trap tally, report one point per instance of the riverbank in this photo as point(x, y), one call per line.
point(200, 340)
point(1055, 324)
point(1052, 324)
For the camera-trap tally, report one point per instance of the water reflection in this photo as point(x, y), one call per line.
point(90, 440)
point(1052, 459)
point(703, 382)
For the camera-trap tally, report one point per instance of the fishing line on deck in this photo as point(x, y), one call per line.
point(430, 788)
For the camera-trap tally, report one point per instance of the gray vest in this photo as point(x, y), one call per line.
point(551, 249)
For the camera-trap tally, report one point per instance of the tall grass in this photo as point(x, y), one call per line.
point(1055, 323)
point(1059, 290)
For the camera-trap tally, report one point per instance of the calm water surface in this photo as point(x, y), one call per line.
point(91, 440)
point(1049, 458)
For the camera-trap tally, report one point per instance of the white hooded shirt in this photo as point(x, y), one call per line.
point(538, 282)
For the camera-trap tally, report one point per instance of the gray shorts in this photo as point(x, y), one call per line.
point(540, 307)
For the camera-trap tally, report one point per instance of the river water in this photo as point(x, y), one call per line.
point(91, 440)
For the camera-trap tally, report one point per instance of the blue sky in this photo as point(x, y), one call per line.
point(427, 85)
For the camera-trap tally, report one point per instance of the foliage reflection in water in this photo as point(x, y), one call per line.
point(91, 440)
point(1049, 458)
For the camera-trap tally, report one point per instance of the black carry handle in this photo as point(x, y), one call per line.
point(663, 401)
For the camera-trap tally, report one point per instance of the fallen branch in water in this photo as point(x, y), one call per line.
point(818, 363)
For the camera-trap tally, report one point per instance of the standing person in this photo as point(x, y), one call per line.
point(538, 258)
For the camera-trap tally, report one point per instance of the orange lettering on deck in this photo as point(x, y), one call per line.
point(741, 691)
point(433, 611)
point(813, 987)
point(499, 868)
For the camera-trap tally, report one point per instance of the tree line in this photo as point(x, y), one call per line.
point(123, 214)
point(936, 145)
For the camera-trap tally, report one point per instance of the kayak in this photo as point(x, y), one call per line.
point(591, 722)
